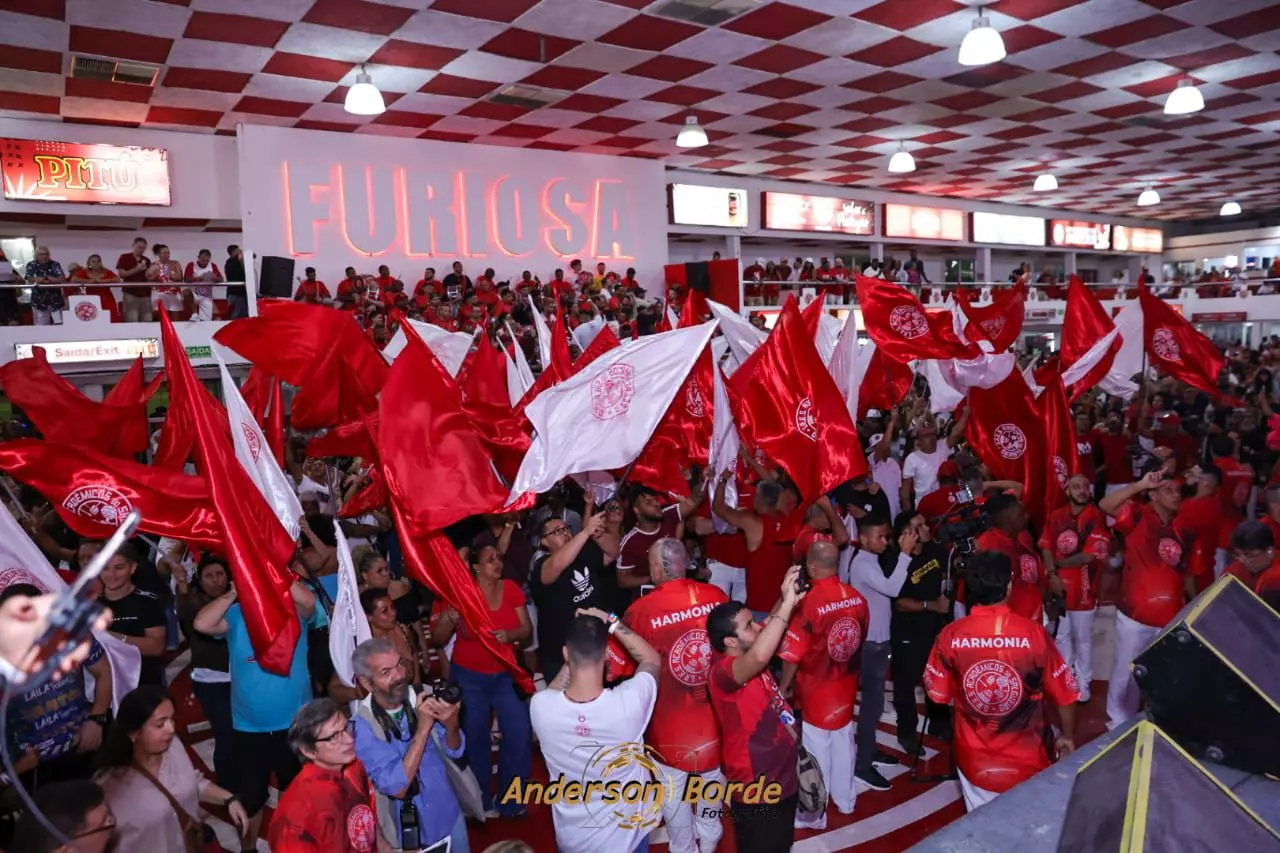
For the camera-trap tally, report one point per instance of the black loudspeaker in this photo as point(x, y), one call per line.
point(1210, 679)
point(276, 278)
point(1143, 794)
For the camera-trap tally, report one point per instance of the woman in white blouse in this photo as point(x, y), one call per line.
point(149, 781)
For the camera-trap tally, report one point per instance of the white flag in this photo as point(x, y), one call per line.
point(743, 337)
point(348, 626)
point(256, 457)
point(602, 417)
point(523, 371)
point(544, 334)
point(825, 339)
point(450, 347)
point(586, 333)
point(848, 364)
point(22, 562)
point(725, 445)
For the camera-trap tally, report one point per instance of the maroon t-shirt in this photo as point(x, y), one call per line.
point(753, 718)
point(127, 262)
point(633, 552)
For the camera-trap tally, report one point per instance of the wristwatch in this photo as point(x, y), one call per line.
point(613, 623)
point(100, 719)
point(229, 800)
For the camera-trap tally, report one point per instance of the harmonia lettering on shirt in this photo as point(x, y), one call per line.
point(842, 604)
point(991, 643)
point(695, 612)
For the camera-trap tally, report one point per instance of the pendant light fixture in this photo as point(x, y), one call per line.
point(982, 45)
point(1148, 197)
point(363, 98)
point(1185, 99)
point(691, 135)
point(1045, 182)
point(902, 161)
point(1231, 208)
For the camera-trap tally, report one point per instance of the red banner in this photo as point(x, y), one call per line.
point(41, 170)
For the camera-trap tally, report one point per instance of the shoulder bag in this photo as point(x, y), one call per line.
point(463, 781)
point(197, 836)
point(813, 788)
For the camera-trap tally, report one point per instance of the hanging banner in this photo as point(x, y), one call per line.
point(45, 170)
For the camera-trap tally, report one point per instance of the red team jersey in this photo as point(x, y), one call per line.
point(752, 720)
point(1203, 517)
point(824, 639)
point(633, 551)
point(1155, 564)
point(997, 667)
point(1233, 493)
point(325, 812)
point(1065, 535)
point(1115, 456)
point(768, 564)
point(1084, 457)
point(1026, 598)
point(673, 619)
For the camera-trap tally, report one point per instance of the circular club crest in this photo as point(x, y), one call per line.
point(909, 321)
point(1170, 551)
point(693, 402)
point(361, 828)
point(1060, 470)
point(992, 687)
point(805, 421)
point(1067, 542)
point(1028, 568)
point(86, 312)
point(843, 639)
point(102, 504)
point(251, 439)
point(11, 575)
point(1010, 440)
point(1165, 345)
point(613, 391)
point(690, 658)
point(993, 326)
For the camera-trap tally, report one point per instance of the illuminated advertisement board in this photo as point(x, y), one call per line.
point(724, 207)
point(40, 170)
point(923, 223)
point(1126, 238)
point(1070, 234)
point(796, 212)
point(1008, 230)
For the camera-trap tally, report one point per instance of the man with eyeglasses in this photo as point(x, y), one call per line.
point(77, 811)
point(1256, 566)
point(327, 806)
point(572, 575)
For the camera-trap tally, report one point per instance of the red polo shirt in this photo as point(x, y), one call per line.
point(824, 640)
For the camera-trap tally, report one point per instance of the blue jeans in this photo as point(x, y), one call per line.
point(482, 697)
point(215, 701)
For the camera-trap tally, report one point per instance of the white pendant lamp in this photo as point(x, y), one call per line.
point(982, 45)
point(691, 135)
point(1148, 197)
point(363, 98)
point(1184, 99)
point(902, 161)
point(1231, 208)
point(1045, 183)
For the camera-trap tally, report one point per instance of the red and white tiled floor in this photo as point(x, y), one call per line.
point(883, 822)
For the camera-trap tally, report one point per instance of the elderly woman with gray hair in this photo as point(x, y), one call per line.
point(326, 807)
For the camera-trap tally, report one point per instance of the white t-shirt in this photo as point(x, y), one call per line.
point(573, 737)
point(888, 475)
point(924, 468)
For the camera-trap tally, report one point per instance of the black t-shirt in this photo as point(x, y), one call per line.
point(925, 578)
point(585, 583)
point(132, 616)
point(456, 286)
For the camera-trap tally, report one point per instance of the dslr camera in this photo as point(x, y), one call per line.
point(445, 691)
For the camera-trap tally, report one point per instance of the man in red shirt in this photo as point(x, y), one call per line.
point(351, 291)
point(427, 287)
point(653, 522)
point(1256, 565)
point(1155, 583)
point(1075, 544)
point(821, 656)
point(1234, 492)
point(767, 531)
point(726, 553)
point(310, 290)
point(1203, 515)
point(1085, 463)
point(1167, 432)
point(327, 808)
point(382, 281)
point(998, 668)
point(821, 524)
point(757, 726)
point(1117, 464)
point(390, 292)
point(132, 267)
point(682, 729)
point(1010, 537)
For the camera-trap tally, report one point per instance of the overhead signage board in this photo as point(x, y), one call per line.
point(1126, 238)
point(818, 213)
point(1007, 229)
point(47, 170)
point(1071, 234)
point(722, 207)
point(70, 352)
point(923, 223)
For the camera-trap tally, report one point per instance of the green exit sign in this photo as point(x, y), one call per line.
point(199, 352)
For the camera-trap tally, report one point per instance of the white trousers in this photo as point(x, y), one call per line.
point(1075, 644)
point(691, 827)
point(1123, 698)
point(836, 752)
point(732, 581)
point(204, 308)
point(973, 795)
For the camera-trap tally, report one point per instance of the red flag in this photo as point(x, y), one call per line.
point(435, 462)
point(1061, 461)
point(274, 426)
point(372, 496)
point(1000, 322)
point(1175, 347)
point(256, 392)
point(256, 544)
point(561, 357)
point(694, 310)
point(178, 433)
point(1006, 432)
point(483, 384)
point(133, 390)
point(482, 379)
point(66, 416)
point(348, 439)
point(900, 326)
point(93, 492)
point(1085, 323)
point(683, 436)
point(885, 383)
point(787, 405)
point(262, 394)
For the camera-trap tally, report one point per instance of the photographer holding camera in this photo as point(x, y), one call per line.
point(404, 736)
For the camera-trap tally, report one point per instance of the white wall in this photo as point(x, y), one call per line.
point(332, 199)
point(202, 170)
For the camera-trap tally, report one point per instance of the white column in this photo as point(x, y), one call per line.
point(251, 280)
point(982, 264)
point(1069, 264)
point(733, 249)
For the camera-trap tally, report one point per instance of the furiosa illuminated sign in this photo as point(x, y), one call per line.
point(47, 170)
point(418, 212)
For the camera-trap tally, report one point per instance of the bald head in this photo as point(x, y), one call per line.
point(668, 560)
point(823, 559)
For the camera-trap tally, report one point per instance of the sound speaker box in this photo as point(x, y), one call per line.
point(1144, 794)
point(276, 278)
point(1210, 680)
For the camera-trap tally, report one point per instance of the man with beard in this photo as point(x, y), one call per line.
point(1155, 584)
point(1011, 537)
point(403, 737)
point(1074, 544)
point(919, 613)
point(998, 668)
point(821, 656)
point(653, 522)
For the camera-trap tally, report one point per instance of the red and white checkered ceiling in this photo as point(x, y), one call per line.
point(805, 90)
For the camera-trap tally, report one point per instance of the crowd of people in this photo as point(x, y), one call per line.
point(732, 637)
